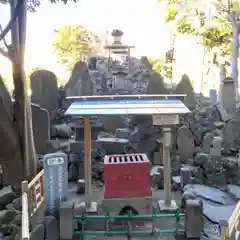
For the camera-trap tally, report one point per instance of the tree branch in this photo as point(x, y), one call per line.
point(5, 53)
point(4, 39)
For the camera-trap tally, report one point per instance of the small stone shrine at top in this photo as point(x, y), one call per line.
point(117, 47)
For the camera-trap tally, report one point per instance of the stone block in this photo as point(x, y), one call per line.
point(171, 208)
point(123, 133)
point(44, 90)
point(51, 228)
point(186, 174)
point(66, 220)
point(157, 158)
point(114, 145)
point(141, 205)
point(41, 128)
point(194, 219)
point(37, 233)
point(78, 146)
point(227, 96)
point(11, 237)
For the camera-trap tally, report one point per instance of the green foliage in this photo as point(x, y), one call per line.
point(184, 27)
point(156, 63)
point(217, 36)
point(216, 33)
point(160, 66)
point(167, 70)
point(171, 13)
point(74, 43)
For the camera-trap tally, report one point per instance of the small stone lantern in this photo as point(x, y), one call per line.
point(117, 36)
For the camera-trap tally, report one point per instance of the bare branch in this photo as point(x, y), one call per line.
point(5, 53)
point(4, 39)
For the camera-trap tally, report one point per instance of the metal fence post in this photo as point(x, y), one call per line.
point(25, 212)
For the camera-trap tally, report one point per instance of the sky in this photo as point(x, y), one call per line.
point(141, 20)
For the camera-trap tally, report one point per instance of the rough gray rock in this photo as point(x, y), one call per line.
point(45, 90)
point(185, 143)
point(6, 197)
point(80, 186)
point(185, 87)
point(80, 82)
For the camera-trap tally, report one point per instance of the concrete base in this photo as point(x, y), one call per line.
point(140, 204)
point(167, 208)
point(92, 209)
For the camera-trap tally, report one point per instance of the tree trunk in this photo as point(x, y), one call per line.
point(22, 104)
point(234, 60)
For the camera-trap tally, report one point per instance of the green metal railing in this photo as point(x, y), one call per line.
point(130, 216)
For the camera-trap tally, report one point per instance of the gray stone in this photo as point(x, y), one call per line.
point(207, 142)
point(80, 186)
point(7, 216)
point(216, 148)
point(45, 90)
point(17, 204)
point(202, 158)
point(11, 237)
point(223, 114)
point(17, 220)
point(188, 194)
point(80, 82)
point(113, 145)
point(6, 197)
point(123, 133)
point(61, 131)
point(6, 99)
point(74, 158)
point(156, 174)
point(111, 123)
point(185, 87)
point(78, 146)
point(145, 63)
point(41, 128)
point(216, 213)
point(185, 143)
point(194, 219)
point(186, 174)
point(231, 133)
point(51, 228)
point(72, 172)
point(38, 232)
point(211, 194)
point(156, 84)
point(66, 220)
point(228, 96)
point(96, 127)
point(157, 158)
point(234, 190)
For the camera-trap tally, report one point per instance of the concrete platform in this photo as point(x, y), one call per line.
point(141, 205)
point(92, 209)
point(167, 208)
point(210, 229)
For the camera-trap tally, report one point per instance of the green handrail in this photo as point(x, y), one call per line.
point(127, 232)
point(130, 215)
